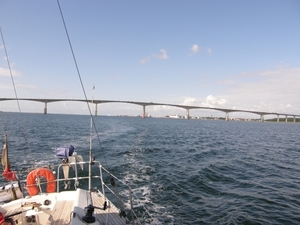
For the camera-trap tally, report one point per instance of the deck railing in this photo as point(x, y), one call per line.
point(106, 187)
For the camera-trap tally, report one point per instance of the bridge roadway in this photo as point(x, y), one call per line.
point(144, 104)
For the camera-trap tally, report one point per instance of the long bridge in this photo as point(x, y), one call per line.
point(144, 104)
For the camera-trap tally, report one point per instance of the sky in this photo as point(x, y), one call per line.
point(227, 54)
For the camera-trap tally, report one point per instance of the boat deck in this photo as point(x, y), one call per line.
point(12, 212)
point(67, 208)
point(61, 213)
point(111, 214)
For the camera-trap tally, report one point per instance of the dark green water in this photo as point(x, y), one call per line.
point(184, 171)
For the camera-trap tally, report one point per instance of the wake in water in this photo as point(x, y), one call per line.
point(188, 172)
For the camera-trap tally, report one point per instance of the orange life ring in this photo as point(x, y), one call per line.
point(40, 172)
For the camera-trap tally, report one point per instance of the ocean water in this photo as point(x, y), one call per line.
point(184, 171)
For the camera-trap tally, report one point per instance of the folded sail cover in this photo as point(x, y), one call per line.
point(7, 173)
point(65, 152)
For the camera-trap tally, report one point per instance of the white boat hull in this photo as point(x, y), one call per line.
point(66, 207)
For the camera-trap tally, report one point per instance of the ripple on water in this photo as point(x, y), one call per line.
point(183, 171)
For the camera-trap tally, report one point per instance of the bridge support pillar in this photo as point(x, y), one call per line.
point(261, 118)
point(96, 109)
point(45, 108)
point(226, 116)
point(286, 119)
point(144, 112)
point(277, 118)
point(187, 114)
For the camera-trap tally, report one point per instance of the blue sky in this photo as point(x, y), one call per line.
point(226, 54)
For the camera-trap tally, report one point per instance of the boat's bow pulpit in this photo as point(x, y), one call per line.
point(69, 158)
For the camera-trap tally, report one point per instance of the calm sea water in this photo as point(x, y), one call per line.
point(184, 171)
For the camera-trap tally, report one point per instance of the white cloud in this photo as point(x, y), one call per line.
point(271, 90)
point(145, 60)
point(195, 48)
point(213, 102)
point(210, 101)
point(190, 101)
point(163, 108)
point(6, 73)
point(162, 56)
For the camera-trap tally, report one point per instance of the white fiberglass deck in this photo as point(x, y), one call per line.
point(66, 207)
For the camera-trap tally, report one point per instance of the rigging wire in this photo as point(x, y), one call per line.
point(83, 89)
point(16, 95)
point(85, 96)
point(81, 82)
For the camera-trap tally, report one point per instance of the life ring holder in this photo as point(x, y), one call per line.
point(32, 187)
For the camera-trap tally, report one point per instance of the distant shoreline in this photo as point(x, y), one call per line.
point(281, 120)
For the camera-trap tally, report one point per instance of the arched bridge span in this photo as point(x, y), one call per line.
point(144, 104)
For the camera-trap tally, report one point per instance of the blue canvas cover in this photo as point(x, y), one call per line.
point(64, 152)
